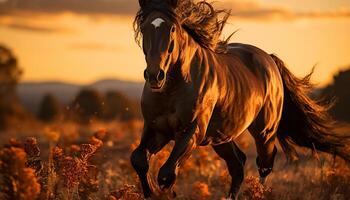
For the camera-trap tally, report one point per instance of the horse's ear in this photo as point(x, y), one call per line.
point(143, 2)
point(173, 3)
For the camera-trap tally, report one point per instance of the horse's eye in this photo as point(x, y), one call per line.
point(171, 47)
point(173, 29)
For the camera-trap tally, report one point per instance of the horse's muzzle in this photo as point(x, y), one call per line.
point(155, 80)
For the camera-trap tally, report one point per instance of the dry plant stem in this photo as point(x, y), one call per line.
point(51, 176)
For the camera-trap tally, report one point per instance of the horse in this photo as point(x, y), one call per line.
point(202, 90)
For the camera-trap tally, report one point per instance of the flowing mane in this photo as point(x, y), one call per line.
point(200, 20)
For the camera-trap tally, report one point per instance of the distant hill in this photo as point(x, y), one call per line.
point(31, 93)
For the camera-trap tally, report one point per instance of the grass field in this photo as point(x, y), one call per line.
point(70, 161)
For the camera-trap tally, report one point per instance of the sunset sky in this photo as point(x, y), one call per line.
point(82, 41)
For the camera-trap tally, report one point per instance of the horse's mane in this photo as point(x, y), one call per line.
point(200, 20)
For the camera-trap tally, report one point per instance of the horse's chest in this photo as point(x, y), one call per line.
point(165, 122)
point(167, 113)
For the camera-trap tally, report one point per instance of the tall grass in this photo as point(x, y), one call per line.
point(69, 161)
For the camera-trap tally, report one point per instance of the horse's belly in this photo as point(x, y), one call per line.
point(224, 127)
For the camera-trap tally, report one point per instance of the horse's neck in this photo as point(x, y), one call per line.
point(192, 56)
point(208, 68)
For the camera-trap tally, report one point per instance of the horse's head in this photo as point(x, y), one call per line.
point(160, 46)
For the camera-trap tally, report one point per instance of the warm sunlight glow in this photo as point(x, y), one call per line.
point(174, 99)
point(83, 48)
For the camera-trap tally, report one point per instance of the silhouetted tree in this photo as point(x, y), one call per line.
point(340, 89)
point(120, 106)
point(88, 104)
point(49, 109)
point(10, 74)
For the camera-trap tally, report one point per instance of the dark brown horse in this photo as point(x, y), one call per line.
point(201, 90)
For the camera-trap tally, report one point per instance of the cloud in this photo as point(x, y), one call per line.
point(344, 13)
point(253, 10)
point(241, 9)
point(39, 24)
point(119, 7)
point(94, 46)
point(35, 28)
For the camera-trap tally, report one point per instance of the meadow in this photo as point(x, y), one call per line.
point(67, 134)
point(66, 160)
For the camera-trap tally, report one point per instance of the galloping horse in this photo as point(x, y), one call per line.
point(201, 90)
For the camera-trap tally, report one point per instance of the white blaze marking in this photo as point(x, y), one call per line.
point(233, 47)
point(157, 22)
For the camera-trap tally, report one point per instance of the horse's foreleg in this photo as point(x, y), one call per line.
point(184, 144)
point(235, 160)
point(139, 160)
point(150, 144)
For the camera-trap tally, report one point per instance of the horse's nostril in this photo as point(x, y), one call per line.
point(161, 75)
point(145, 74)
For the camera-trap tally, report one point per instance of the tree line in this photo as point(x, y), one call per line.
point(90, 104)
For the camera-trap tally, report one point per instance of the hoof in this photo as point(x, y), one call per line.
point(231, 197)
point(262, 180)
point(166, 180)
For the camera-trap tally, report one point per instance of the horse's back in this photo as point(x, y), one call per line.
point(258, 62)
point(256, 59)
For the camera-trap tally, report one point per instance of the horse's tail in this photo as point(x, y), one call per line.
point(305, 122)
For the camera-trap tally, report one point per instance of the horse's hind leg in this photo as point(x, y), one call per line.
point(266, 150)
point(264, 129)
point(266, 156)
point(235, 160)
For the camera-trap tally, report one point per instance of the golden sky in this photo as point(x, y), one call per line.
point(82, 41)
